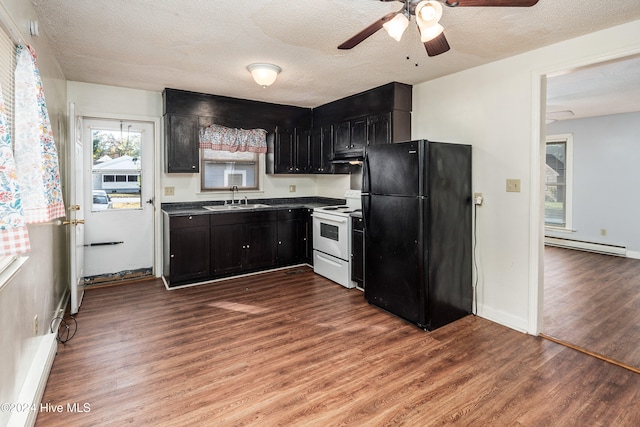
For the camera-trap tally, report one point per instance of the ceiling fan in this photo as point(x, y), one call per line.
point(427, 13)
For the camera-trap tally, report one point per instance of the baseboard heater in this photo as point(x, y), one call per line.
point(586, 246)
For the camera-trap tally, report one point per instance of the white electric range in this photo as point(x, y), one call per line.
point(332, 239)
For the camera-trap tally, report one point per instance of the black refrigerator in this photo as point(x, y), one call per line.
point(417, 210)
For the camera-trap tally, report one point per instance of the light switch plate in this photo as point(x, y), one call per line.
point(513, 185)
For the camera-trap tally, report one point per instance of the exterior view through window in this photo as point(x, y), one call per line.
point(222, 169)
point(116, 169)
point(556, 197)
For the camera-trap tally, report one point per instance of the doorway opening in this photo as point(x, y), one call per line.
point(592, 313)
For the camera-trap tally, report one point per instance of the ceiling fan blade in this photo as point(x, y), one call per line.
point(437, 46)
point(498, 3)
point(367, 32)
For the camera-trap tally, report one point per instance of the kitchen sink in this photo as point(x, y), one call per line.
point(235, 207)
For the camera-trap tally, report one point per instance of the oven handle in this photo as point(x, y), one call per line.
point(330, 218)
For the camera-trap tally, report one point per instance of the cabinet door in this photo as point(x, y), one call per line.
point(358, 136)
point(308, 237)
point(342, 139)
point(226, 249)
point(357, 252)
point(182, 144)
point(379, 129)
point(284, 147)
point(288, 241)
point(322, 150)
point(260, 248)
point(189, 254)
point(303, 151)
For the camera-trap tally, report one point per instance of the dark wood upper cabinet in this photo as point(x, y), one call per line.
point(289, 151)
point(182, 144)
point(379, 129)
point(346, 127)
point(322, 150)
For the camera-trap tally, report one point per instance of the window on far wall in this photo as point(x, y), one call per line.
point(221, 170)
point(558, 181)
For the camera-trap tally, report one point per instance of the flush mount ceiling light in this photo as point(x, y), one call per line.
point(555, 115)
point(264, 74)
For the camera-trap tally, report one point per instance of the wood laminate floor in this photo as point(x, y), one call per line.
point(281, 349)
point(593, 301)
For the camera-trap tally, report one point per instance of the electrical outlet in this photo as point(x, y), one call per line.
point(477, 199)
point(169, 191)
point(603, 231)
point(513, 185)
point(292, 189)
point(35, 325)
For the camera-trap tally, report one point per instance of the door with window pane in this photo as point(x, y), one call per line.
point(119, 222)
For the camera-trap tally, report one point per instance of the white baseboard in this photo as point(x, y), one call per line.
point(510, 321)
point(586, 246)
point(35, 383)
point(633, 254)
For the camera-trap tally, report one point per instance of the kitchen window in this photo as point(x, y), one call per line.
point(221, 170)
point(558, 181)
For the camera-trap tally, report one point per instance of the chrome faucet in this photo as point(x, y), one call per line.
point(234, 189)
point(246, 202)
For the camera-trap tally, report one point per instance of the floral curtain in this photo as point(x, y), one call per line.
point(35, 151)
point(216, 137)
point(14, 236)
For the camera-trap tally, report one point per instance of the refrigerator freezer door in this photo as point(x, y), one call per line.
point(394, 169)
point(394, 265)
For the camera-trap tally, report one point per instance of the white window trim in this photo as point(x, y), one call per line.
point(568, 139)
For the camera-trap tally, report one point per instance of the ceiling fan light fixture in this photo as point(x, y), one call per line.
point(430, 33)
point(264, 74)
point(395, 27)
point(428, 13)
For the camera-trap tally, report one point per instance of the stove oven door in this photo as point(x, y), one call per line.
point(331, 234)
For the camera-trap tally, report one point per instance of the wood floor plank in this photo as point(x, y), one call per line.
point(281, 349)
point(593, 301)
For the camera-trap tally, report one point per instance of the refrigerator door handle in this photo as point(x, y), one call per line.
point(366, 205)
point(365, 174)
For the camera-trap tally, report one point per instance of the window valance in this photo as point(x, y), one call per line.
point(220, 138)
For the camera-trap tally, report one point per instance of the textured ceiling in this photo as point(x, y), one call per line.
point(205, 45)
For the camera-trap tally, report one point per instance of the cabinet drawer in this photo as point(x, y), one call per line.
point(188, 221)
point(290, 214)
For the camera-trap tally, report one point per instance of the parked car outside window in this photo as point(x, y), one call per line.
point(101, 201)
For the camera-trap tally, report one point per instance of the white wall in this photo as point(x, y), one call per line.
point(497, 108)
point(606, 178)
point(39, 286)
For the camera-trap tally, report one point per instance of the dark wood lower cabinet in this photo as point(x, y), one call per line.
point(260, 250)
point(202, 247)
point(187, 255)
point(357, 251)
point(226, 249)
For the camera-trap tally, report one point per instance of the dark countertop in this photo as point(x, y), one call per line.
point(196, 208)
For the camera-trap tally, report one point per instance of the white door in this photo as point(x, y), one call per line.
point(76, 209)
point(119, 220)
